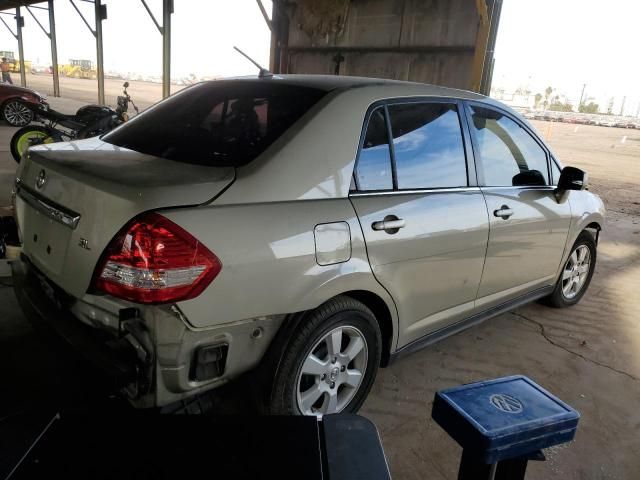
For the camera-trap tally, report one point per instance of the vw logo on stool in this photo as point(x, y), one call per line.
point(495, 443)
point(506, 403)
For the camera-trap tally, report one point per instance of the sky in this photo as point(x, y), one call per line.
point(203, 36)
point(559, 43)
point(567, 43)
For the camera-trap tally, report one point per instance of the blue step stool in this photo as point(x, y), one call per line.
point(503, 423)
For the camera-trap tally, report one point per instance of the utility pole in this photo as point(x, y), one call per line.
point(622, 106)
point(584, 85)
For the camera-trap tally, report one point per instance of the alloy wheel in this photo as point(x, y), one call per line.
point(17, 114)
point(332, 372)
point(576, 272)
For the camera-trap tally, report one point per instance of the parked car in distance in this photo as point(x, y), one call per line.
point(15, 101)
point(306, 228)
point(41, 69)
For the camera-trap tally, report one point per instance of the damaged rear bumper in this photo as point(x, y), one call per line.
point(152, 352)
point(126, 355)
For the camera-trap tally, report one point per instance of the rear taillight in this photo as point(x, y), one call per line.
point(153, 260)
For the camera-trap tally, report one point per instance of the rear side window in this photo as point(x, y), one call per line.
point(374, 163)
point(508, 153)
point(222, 123)
point(428, 145)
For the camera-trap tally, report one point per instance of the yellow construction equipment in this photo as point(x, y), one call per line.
point(15, 63)
point(79, 69)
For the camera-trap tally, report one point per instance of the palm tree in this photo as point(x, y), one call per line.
point(537, 99)
point(547, 93)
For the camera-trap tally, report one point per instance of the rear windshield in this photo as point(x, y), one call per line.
point(222, 123)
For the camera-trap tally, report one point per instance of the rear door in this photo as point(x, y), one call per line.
point(528, 227)
point(423, 217)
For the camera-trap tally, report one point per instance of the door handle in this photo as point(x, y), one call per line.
point(390, 224)
point(503, 212)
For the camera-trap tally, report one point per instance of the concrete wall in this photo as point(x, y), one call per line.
point(431, 41)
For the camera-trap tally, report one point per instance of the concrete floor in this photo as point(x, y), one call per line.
point(587, 355)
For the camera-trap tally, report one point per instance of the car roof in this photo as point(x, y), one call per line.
point(342, 82)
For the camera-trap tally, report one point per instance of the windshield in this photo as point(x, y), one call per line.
point(221, 123)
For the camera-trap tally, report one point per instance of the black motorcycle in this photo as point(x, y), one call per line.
point(89, 121)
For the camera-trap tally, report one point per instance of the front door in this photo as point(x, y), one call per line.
point(528, 226)
point(425, 224)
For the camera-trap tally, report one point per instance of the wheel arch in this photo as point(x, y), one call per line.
point(8, 99)
point(595, 222)
point(11, 99)
point(594, 226)
point(387, 320)
point(383, 315)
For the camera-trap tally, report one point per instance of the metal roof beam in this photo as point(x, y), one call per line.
point(51, 35)
point(158, 26)
point(417, 49)
point(10, 4)
point(7, 25)
point(264, 14)
point(19, 24)
point(38, 21)
point(165, 31)
point(101, 14)
point(54, 49)
point(167, 11)
point(82, 17)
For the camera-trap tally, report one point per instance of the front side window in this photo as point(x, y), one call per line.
point(221, 123)
point(373, 171)
point(509, 155)
point(428, 145)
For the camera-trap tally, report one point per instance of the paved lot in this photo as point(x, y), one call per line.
point(588, 355)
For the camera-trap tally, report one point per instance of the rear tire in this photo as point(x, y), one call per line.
point(22, 139)
point(576, 273)
point(329, 362)
point(16, 113)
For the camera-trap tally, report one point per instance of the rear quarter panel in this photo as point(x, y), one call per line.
point(269, 260)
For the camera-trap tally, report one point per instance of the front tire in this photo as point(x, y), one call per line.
point(26, 136)
point(576, 273)
point(16, 113)
point(330, 362)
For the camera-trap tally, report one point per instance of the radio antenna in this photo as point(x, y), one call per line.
point(264, 73)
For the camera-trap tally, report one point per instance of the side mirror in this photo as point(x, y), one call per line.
point(572, 178)
point(528, 177)
point(125, 84)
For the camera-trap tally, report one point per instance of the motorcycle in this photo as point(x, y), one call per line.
point(89, 121)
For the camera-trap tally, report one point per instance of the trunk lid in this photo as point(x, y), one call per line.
point(73, 197)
